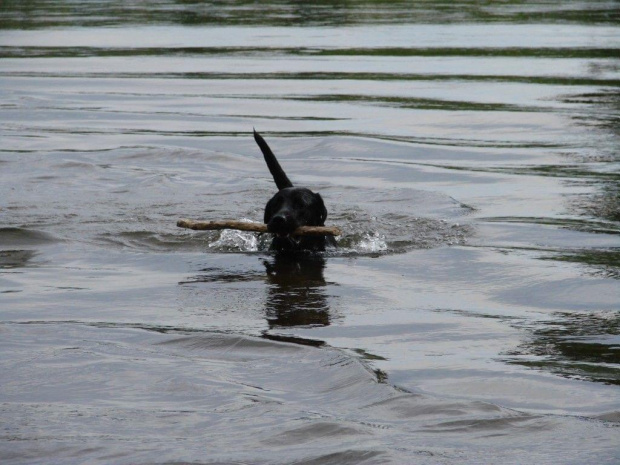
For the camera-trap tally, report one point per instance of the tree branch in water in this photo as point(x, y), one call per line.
point(255, 227)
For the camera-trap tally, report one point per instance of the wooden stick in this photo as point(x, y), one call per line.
point(256, 227)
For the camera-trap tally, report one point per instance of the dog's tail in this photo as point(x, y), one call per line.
point(279, 176)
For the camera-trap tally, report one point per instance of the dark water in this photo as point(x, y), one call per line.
point(469, 152)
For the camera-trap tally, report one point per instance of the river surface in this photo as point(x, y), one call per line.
point(468, 150)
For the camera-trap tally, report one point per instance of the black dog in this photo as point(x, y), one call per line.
point(290, 208)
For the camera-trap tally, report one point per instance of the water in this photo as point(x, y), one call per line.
point(469, 152)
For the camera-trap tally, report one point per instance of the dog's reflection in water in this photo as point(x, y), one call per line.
point(295, 293)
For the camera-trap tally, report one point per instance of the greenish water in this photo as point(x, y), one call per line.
point(468, 151)
point(47, 13)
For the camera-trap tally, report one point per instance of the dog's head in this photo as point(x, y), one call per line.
point(292, 207)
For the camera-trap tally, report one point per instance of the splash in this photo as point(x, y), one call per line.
point(372, 242)
point(233, 240)
point(402, 236)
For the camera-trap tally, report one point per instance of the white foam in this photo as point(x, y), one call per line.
point(374, 242)
point(231, 239)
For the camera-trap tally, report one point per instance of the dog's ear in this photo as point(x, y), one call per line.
point(319, 206)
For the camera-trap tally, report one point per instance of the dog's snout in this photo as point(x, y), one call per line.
point(279, 220)
point(281, 223)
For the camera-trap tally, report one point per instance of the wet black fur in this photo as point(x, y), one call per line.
point(290, 208)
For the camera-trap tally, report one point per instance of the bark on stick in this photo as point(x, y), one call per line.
point(255, 227)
